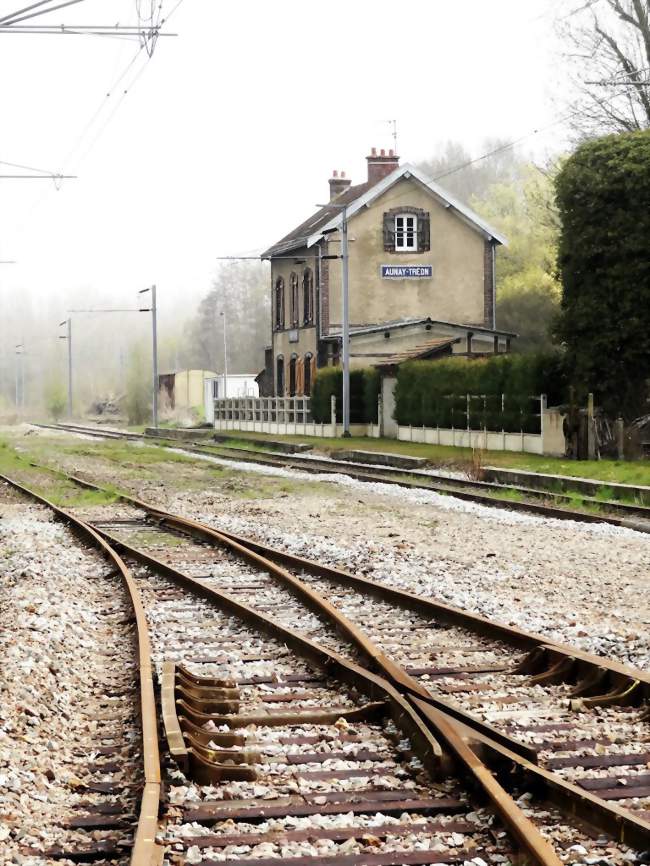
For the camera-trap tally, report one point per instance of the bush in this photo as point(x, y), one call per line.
point(602, 195)
point(55, 398)
point(364, 391)
point(138, 387)
point(435, 393)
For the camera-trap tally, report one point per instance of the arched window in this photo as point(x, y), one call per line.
point(279, 376)
point(292, 376)
point(279, 304)
point(294, 314)
point(309, 360)
point(308, 296)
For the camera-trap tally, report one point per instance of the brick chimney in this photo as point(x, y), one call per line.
point(380, 164)
point(338, 184)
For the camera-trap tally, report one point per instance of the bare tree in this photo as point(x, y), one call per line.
point(607, 43)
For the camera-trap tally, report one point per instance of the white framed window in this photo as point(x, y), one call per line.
point(406, 232)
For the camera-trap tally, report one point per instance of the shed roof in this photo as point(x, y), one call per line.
point(335, 334)
point(427, 349)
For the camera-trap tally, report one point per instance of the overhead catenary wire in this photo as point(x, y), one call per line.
point(76, 146)
point(12, 17)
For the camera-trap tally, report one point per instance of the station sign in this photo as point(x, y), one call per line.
point(406, 272)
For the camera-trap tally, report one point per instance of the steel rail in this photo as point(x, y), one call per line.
point(398, 477)
point(447, 612)
point(146, 851)
point(439, 727)
point(444, 611)
point(621, 823)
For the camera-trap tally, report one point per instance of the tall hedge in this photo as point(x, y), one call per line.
point(364, 390)
point(502, 391)
point(603, 196)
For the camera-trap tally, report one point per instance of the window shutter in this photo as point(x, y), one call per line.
point(424, 233)
point(389, 233)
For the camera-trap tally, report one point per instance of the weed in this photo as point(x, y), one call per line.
point(508, 495)
point(475, 469)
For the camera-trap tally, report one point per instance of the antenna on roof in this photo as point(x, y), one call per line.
point(393, 123)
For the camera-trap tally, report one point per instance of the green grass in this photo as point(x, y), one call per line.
point(67, 495)
point(613, 471)
point(508, 495)
point(126, 453)
point(9, 459)
point(48, 484)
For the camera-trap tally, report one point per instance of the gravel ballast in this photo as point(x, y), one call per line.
point(68, 685)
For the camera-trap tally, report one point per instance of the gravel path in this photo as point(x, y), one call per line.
point(67, 685)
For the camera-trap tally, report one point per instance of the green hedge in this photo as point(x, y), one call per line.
point(364, 390)
point(603, 191)
point(502, 391)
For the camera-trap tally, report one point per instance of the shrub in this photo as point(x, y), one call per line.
point(55, 398)
point(138, 387)
point(435, 393)
point(364, 390)
point(602, 196)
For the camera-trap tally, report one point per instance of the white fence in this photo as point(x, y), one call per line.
point(280, 415)
point(291, 416)
point(490, 440)
point(550, 439)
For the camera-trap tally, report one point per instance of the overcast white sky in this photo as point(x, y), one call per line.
point(230, 133)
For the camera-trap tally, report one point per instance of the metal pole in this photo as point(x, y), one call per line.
point(225, 357)
point(346, 323)
point(154, 326)
point(69, 368)
point(17, 379)
point(22, 378)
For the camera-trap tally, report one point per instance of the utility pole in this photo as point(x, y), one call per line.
point(17, 373)
point(345, 331)
point(154, 330)
point(345, 292)
point(225, 356)
point(22, 376)
point(68, 322)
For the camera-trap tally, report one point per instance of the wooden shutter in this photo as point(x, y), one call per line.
point(424, 232)
point(389, 233)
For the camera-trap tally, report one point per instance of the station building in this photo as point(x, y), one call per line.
point(421, 276)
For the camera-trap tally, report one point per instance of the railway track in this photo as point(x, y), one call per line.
point(528, 499)
point(291, 750)
point(100, 802)
point(509, 691)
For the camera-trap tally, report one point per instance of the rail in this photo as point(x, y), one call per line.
point(146, 852)
point(617, 821)
point(461, 488)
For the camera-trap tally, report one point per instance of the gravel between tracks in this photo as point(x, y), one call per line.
point(57, 618)
point(584, 584)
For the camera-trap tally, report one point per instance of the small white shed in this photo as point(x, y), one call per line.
point(234, 385)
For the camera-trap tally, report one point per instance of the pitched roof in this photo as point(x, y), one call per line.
point(422, 350)
point(313, 229)
point(301, 234)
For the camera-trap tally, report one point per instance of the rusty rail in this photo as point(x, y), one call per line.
point(146, 852)
point(426, 735)
point(400, 477)
point(500, 748)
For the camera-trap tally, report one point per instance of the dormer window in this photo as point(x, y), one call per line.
point(406, 232)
